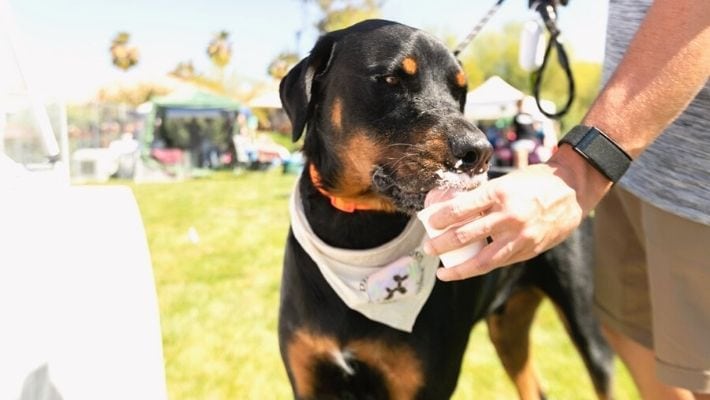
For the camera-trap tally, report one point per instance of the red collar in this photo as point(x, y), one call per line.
point(340, 203)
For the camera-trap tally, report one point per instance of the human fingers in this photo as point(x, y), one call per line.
point(461, 235)
point(505, 250)
point(463, 207)
point(493, 255)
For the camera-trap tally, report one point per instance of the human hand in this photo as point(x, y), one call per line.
point(525, 213)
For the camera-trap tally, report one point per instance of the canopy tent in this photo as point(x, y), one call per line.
point(495, 98)
point(195, 100)
point(183, 103)
point(179, 146)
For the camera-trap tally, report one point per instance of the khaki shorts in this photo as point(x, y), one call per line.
point(652, 283)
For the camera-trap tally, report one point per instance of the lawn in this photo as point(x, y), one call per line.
point(217, 245)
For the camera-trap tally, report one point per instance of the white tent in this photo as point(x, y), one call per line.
point(494, 90)
point(495, 98)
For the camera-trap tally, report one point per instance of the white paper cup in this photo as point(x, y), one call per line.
point(453, 257)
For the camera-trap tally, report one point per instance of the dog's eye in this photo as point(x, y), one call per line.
point(391, 80)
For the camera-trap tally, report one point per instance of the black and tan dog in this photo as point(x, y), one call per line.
point(382, 105)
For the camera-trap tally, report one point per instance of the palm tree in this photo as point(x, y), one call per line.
point(338, 14)
point(184, 70)
point(281, 64)
point(123, 56)
point(220, 49)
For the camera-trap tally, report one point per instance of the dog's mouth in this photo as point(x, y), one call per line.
point(408, 193)
point(460, 180)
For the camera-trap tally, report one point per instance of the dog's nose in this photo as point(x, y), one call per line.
point(472, 153)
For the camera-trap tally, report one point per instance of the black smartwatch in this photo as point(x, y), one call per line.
point(599, 150)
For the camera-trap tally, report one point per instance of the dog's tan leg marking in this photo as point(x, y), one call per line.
point(509, 331)
point(398, 365)
point(409, 66)
point(303, 351)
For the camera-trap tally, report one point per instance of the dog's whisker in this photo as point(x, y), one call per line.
point(399, 160)
point(400, 144)
point(405, 156)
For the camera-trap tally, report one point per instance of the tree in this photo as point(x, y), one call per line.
point(183, 70)
point(587, 79)
point(123, 56)
point(338, 14)
point(133, 95)
point(220, 49)
point(186, 72)
point(280, 66)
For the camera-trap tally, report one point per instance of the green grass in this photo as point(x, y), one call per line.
point(219, 297)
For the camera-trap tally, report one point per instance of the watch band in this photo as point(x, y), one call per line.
point(599, 150)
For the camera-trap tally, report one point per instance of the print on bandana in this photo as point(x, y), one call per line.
point(400, 279)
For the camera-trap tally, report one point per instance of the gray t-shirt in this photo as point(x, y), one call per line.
point(674, 172)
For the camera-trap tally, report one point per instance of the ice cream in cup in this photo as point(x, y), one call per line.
point(439, 194)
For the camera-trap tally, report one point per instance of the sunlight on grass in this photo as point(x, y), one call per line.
point(219, 297)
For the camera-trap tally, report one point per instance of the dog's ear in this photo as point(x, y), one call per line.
point(298, 89)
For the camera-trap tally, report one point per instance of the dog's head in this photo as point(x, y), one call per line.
point(382, 105)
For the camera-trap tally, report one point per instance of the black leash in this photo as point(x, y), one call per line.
point(549, 16)
point(547, 11)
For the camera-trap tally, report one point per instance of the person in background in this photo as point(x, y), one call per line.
point(525, 136)
point(653, 228)
point(244, 141)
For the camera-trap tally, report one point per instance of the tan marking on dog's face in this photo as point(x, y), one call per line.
point(460, 78)
point(336, 114)
point(431, 154)
point(398, 364)
point(302, 352)
point(359, 155)
point(409, 66)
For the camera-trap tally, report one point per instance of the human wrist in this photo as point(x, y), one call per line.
point(588, 183)
point(599, 150)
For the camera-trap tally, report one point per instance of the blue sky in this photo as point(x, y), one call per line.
point(74, 35)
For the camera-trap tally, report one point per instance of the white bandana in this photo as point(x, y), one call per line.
point(388, 284)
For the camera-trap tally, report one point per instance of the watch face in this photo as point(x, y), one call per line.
point(599, 150)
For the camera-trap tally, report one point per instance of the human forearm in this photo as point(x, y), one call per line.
point(665, 66)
